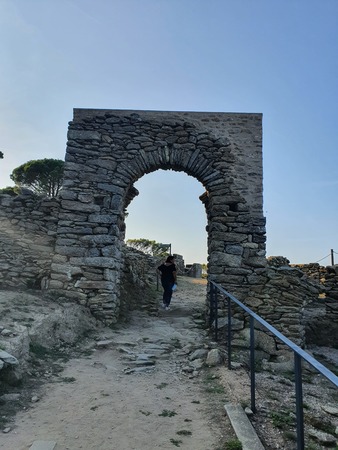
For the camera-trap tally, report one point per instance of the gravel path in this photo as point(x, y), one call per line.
point(136, 389)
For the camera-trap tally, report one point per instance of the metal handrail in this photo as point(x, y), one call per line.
point(299, 354)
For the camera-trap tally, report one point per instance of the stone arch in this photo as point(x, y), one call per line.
point(108, 150)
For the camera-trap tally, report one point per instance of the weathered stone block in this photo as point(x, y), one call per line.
point(225, 259)
point(83, 135)
point(234, 249)
point(70, 251)
point(102, 218)
point(54, 284)
point(79, 206)
point(94, 284)
point(101, 262)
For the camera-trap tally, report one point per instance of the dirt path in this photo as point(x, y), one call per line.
point(135, 390)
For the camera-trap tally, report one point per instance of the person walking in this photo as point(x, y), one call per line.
point(168, 274)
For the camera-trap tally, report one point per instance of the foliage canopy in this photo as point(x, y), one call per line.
point(9, 190)
point(42, 176)
point(149, 247)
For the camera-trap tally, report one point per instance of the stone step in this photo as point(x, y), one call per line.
point(245, 432)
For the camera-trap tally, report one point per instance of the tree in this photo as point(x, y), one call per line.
point(1, 155)
point(42, 176)
point(9, 190)
point(150, 247)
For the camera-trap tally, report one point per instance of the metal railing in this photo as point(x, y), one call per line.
point(299, 354)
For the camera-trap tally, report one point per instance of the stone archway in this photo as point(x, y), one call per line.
point(108, 150)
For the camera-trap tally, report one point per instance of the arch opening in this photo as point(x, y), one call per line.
point(168, 209)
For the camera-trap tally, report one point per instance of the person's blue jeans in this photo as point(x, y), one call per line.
point(167, 291)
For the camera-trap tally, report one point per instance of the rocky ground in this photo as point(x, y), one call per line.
point(154, 382)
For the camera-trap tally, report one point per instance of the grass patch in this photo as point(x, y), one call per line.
point(44, 353)
point(234, 444)
point(290, 436)
point(161, 386)
point(175, 342)
point(168, 413)
point(282, 420)
point(212, 385)
point(184, 433)
point(145, 413)
point(314, 446)
point(321, 424)
point(215, 389)
point(176, 442)
point(3, 421)
point(68, 379)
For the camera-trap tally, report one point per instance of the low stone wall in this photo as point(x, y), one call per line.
point(301, 301)
point(322, 314)
point(180, 265)
point(27, 238)
point(287, 294)
point(327, 276)
point(194, 270)
point(138, 282)
point(280, 295)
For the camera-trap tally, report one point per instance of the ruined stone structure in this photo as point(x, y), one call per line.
point(28, 227)
point(73, 246)
point(108, 150)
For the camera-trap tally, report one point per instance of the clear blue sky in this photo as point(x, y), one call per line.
point(277, 57)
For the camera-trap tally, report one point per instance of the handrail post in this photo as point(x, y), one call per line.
point(299, 402)
point(229, 334)
point(214, 309)
point(211, 312)
point(216, 315)
point(252, 365)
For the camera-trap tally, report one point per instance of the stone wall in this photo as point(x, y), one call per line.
point(322, 314)
point(194, 270)
point(281, 298)
point(138, 283)
point(180, 265)
point(27, 237)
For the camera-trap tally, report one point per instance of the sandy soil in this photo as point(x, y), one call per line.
point(109, 399)
point(134, 388)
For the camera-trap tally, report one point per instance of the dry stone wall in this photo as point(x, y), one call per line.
point(138, 283)
point(300, 301)
point(322, 314)
point(28, 227)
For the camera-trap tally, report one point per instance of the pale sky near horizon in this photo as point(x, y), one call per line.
point(278, 58)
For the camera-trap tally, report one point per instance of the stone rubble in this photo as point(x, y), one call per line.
point(30, 321)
